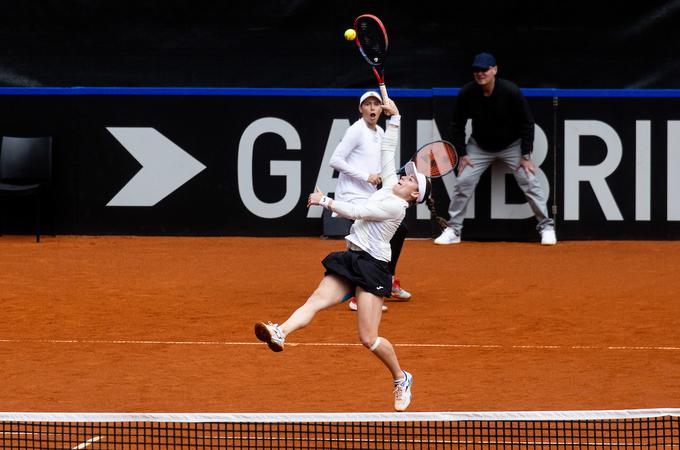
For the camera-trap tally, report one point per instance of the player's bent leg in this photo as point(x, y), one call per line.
point(382, 348)
point(368, 322)
point(368, 316)
point(331, 291)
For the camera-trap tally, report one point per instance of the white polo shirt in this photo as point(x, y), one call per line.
point(355, 158)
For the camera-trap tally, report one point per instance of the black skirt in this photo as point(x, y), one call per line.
point(360, 269)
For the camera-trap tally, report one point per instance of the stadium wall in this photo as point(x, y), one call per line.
point(202, 161)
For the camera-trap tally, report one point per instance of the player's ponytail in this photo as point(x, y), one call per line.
point(437, 220)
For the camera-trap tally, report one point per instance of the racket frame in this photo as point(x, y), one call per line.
point(453, 163)
point(378, 68)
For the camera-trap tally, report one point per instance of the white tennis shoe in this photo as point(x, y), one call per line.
point(402, 392)
point(548, 237)
point(447, 237)
point(271, 334)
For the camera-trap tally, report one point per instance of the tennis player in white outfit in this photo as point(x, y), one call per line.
point(357, 160)
point(362, 268)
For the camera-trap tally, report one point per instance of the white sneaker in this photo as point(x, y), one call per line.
point(271, 334)
point(402, 392)
point(548, 237)
point(447, 237)
point(352, 305)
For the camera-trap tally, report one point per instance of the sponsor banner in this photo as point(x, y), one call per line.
point(619, 166)
point(239, 162)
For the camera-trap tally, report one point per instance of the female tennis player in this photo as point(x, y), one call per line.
point(357, 160)
point(363, 268)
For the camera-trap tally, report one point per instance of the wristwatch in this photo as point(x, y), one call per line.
point(526, 157)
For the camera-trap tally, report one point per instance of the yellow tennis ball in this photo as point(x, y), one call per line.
point(350, 34)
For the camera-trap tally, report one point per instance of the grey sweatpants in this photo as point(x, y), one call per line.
point(468, 179)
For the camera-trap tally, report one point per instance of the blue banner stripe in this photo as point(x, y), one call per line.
point(330, 92)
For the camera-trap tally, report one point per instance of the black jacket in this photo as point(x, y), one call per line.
point(497, 120)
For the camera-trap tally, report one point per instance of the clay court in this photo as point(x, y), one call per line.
point(165, 324)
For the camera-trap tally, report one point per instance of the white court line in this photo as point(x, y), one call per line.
point(87, 443)
point(338, 344)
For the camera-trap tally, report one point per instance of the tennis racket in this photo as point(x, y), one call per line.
point(373, 44)
point(435, 159)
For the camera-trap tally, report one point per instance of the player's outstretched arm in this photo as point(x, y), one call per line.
point(388, 171)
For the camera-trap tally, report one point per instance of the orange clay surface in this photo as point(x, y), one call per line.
point(165, 324)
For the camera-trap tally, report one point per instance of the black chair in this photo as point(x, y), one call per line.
point(26, 170)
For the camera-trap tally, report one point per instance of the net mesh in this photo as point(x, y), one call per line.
point(643, 429)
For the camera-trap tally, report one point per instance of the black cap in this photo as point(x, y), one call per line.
point(483, 61)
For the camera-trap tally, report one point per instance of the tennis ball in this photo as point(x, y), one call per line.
point(350, 34)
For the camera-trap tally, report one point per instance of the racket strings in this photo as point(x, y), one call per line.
point(436, 159)
point(372, 40)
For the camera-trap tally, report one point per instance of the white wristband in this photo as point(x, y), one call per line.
point(395, 120)
point(325, 201)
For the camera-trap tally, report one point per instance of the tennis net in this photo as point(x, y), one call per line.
point(643, 429)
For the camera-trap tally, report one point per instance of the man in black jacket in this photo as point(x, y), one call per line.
point(502, 129)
